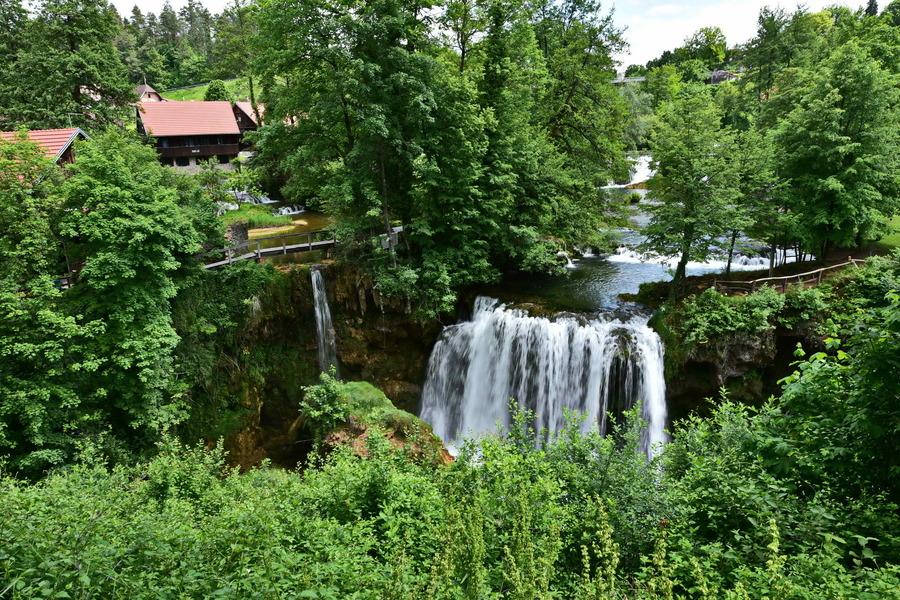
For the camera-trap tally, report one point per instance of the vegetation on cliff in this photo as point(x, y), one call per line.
point(794, 500)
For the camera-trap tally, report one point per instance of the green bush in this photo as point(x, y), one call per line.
point(801, 305)
point(710, 315)
point(324, 406)
point(216, 90)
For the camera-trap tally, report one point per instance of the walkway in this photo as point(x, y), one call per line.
point(810, 278)
point(275, 245)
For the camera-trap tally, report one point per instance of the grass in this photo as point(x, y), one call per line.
point(239, 89)
point(893, 240)
point(255, 216)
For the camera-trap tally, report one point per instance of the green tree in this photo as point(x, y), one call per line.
point(709, 45)
point(838, 148)
point(892, 11)
point(581, 110)
point(132, 225)
point(235, 31)
point(663, 84)
point(872, 8)
point(696, 181)
point(43, 348)
point(68, 71)
point(217, 91)
point(13, 20)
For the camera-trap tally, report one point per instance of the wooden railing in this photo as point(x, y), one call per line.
point(781, 283)
point(273, 245)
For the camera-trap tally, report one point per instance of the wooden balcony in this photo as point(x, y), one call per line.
point(202, 150)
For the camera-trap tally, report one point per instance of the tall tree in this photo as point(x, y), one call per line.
point(838, 148)
point(44, 352)
point(696, 181)
point(235, 34)
point(129, 224)
point(872, 8)
point(582, 112)
point(68, 71)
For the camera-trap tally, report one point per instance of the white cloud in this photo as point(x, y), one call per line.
point(653, 27)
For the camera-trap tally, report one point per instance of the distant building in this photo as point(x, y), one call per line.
point(188, 133)
point(145, 93)
point(56, 143)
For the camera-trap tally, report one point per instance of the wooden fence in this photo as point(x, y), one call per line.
point(273, 245)
point(781, 283)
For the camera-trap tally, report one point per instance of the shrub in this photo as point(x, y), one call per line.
point(710, 315)
point(217, 90)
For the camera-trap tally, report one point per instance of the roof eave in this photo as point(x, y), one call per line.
point(62, 150)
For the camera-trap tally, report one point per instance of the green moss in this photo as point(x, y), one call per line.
point(370, 406)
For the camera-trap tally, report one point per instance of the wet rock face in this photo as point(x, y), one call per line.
point(377, 341)
point(748, 366)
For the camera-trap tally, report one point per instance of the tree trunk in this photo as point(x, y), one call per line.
point(772, 250)
point(253, 104)
point(731, 252)
point(384, 206)
point(678, 279)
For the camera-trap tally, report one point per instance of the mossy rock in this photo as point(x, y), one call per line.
point(370, 410)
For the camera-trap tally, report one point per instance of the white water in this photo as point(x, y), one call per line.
point(640, 173)
point(739, 262)
point(325, 339)
point(598, 367)
point(290, 210)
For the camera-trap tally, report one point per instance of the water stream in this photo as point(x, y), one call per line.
point(597, 366)
point(325, 340)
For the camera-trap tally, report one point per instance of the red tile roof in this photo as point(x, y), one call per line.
point(54, 141)
point(247, 109)
point(163, 119)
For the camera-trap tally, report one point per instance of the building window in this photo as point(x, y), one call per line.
point(182, 161)
point(224, 159)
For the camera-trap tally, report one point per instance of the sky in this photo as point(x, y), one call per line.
point(652, 26)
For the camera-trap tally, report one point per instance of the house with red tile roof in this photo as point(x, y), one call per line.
point(56, 143)
point(189, 133)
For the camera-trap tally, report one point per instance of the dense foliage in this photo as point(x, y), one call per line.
point(74, 63)
point(485, 137)
point(793, 500)
point(808, 123)
point(91, 361)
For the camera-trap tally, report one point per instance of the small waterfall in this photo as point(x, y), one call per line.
point(598, 367)
point(324, 327)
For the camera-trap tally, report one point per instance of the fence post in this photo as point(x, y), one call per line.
point(284, 245)
point(258, 253)
point(309, 237)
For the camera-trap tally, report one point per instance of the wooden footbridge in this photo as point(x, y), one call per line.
point(273, 245)
point(808, 279)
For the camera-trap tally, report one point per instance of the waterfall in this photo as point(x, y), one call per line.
point(324, 327)
point(598, 367)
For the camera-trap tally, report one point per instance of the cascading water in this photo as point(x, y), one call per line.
point(596, 367)
point(325, 340)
